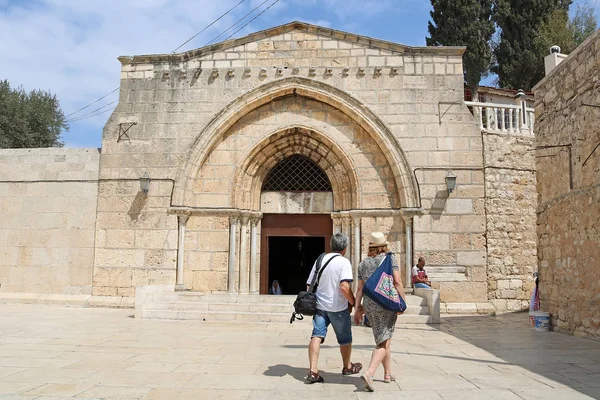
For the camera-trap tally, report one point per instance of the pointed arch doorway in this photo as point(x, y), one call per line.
point(296, 200)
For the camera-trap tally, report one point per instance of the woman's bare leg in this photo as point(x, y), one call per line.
point(377, 357)
point(387, 360)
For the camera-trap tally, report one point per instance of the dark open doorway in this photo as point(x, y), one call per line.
point(291, 258)
point(280, 235)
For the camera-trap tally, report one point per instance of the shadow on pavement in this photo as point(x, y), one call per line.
point(555, 359)
point(281, 370)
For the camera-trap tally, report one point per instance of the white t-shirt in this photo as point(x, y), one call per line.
point(329, 296)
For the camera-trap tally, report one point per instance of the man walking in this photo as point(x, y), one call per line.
point(334, 304)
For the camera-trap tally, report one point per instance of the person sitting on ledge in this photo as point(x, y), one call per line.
point(419, 275)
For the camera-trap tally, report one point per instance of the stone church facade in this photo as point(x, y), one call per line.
point(369, 131)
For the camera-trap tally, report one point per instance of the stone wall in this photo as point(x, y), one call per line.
point(568, 176)
point(451, 233)
point(136, 237)
point(47, 215)
point(510, 220)
point(174, 99)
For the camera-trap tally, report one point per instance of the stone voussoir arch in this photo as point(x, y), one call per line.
point(286, 142)
point(334, 97)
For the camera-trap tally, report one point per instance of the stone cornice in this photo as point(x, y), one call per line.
point(296, 26)
point(389, 212)
point(226, 212)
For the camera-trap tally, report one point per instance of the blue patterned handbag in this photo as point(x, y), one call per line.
point(380, 287)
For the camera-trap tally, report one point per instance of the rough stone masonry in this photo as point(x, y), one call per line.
point(568, 171)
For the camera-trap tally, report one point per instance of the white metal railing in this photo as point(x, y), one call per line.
point(503, 118)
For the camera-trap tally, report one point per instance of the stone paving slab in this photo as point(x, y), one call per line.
point(52, 352)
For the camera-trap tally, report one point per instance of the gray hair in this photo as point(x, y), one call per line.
point(339, 242)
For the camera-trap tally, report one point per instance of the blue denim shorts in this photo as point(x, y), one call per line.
point(341, 326)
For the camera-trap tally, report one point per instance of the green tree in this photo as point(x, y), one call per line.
point(558, 30)
point(464, 23)
point(518, 54)
point(583, 24)
point(31, 119)
point(555, 31)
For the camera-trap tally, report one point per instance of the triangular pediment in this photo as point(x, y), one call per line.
point(298, 27)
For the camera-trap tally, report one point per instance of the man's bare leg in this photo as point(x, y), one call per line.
point(313, 353)
point(346, 354)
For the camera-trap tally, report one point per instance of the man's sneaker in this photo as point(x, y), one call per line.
point(314, 377)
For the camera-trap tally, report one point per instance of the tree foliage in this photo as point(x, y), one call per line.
point(555, 31)
point(558, 30)
point(32, 119)
point(464, 23)
point(583, 24)
point(519, 57)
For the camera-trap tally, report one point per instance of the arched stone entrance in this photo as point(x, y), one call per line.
point(220, 185)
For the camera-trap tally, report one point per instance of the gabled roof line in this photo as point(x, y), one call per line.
point(289, 27)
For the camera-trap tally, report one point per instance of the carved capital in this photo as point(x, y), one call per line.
point(182, 218)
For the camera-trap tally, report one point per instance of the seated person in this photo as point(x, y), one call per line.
point(275, 288)
point(419, 275)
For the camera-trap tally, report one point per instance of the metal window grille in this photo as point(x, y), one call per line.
point(297, 174)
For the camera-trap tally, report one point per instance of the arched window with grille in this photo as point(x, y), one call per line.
point(296, 174)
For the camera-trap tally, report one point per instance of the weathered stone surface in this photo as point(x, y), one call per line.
point(510, 218)
point(48, 203)
point(568, 178)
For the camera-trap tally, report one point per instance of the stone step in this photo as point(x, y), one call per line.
point(246, 298)
point(247, 307)
point(251, 317)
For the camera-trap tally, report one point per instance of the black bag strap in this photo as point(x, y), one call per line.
point(319, 271)
point(318, 267)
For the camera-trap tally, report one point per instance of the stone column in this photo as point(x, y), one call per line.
point(347, 230)
point(253, 232)
point(233, 221)
point(181, 221)
point(356, 251)
point(408, 223)
point(243, 256)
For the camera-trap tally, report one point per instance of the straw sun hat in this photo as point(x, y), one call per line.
point(377, 239)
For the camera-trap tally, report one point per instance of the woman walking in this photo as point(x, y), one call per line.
point(383, 321)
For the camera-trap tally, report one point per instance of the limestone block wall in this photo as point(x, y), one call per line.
point(207, 247)
point(47, 216)
point(510, 220)
point(136, 237)
point(166, 102)
point(568, 176)
point(451, 235)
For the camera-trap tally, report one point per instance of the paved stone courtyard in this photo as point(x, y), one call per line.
point(56, 353)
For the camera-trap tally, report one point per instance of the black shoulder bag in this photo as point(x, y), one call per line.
point(306, 302)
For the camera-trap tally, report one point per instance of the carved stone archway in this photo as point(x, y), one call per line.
point(295, 141)
point(220, 124)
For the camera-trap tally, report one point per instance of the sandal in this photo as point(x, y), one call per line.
point(354, 369)
point(389, 378)
point(314, 377)
point(368, 382)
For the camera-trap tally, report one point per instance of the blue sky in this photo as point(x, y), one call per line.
point(70, 47)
